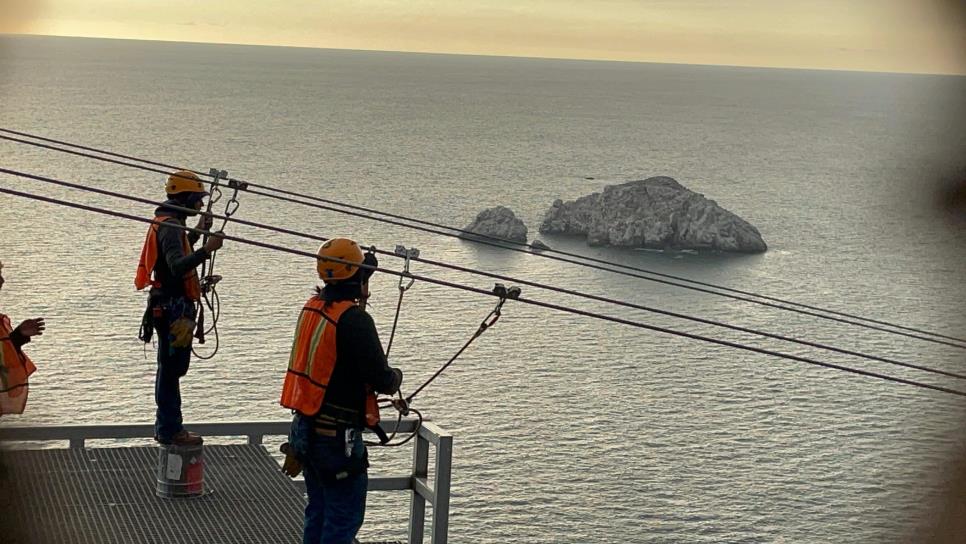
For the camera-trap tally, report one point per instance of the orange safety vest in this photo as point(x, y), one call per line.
point(149, 257)
point(15, 366)
point(312, 361)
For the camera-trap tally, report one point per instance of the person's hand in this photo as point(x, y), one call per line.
point(291, 467)
point(32, 327)
point(397, 377)
point(214, 243)
point(205, 222)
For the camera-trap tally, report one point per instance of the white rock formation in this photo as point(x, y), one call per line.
point(656, 213)
point(499, 222)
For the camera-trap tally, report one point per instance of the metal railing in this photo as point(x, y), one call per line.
point(417, 482)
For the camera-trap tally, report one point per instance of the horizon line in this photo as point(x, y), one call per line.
point(491, 55)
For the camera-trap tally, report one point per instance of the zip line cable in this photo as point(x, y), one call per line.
point(414, 257)
point(480, 238)
point(484, 236)
point(502, 244)
point(532, 302)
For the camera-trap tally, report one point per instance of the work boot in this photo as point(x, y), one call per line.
point(182, 438)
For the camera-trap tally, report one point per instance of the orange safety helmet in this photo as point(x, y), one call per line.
point(338, 248)
point(184, 181)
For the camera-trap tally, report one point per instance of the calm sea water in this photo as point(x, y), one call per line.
point(567, 429)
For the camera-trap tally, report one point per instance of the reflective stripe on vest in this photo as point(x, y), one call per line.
point(149, 257)
point(313, 356)
point(15, 366)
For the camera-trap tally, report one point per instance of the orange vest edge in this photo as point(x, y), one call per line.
point(15, 367)
point(149, 257)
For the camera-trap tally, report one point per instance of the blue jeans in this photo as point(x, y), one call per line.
point(337, 504)
point(175, 331)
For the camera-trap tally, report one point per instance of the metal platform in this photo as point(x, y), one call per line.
point(106, 495)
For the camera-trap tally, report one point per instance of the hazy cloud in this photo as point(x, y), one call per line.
point(888, 35)
point(19, 16)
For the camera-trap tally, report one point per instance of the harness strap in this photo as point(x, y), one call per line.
point(320, 312)
point(381, 434)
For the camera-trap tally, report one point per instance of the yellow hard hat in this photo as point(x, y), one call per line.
point(338, 248)
point(184, 181)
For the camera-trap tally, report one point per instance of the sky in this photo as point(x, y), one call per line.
point(920, 36)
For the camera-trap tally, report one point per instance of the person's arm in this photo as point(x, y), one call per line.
point(366, 349)
point(18, 338)
point(169, 242)
point(31, 327)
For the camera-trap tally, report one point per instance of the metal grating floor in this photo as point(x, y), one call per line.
point(106, 495)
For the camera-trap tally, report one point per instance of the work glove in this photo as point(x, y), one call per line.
point(292, 467)
point(397, 377)
point(371, 260)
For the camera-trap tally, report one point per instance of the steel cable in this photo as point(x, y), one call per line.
point(522, 300)
point(777, 303)
point(511, 279)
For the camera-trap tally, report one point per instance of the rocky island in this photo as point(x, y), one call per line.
point(654, 213)
point(499, 222)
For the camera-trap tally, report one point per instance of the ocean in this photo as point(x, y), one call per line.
point(567, 429)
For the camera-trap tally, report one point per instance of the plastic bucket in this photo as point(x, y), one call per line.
point(181, 471)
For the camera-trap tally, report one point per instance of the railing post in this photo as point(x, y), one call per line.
point(255, 439)
point(417, 504)
point(444, 466)
point(76, 443)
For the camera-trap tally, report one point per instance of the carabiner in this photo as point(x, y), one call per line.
point(500, 290)
point(407, 254)
point(215, 195)
point(231, 207)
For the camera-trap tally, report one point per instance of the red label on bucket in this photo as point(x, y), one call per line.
point(195, 476)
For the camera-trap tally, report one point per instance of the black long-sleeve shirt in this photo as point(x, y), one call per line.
point(360, 362)
point(18, 338)
point(173, 263)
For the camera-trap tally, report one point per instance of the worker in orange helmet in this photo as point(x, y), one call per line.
point(168, 266)
point(336, 364)
point(15, 366)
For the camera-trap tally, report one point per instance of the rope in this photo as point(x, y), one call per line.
point(784, 305)
point(488, 321)
point(408, 254)
point(390, 443)
point(405, 274)
point(532, 302)
point(207, 268)
point(209, 285)
point(395, 321)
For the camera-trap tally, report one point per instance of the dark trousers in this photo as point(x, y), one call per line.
point(336, 506)
point(175, 331)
